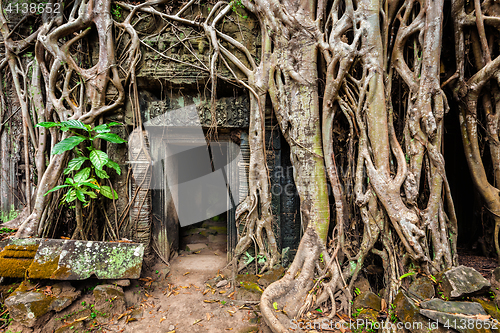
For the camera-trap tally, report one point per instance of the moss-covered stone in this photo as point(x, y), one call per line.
point(27, 304)
point(272, 275)
point(246, 295)
point(422, 288)
point(109, 299)
point(367, 300)
point(251, 286)
point(407, 311)
point(490, 308)
point(247, 278)
point(16, 257)
point(369, 315)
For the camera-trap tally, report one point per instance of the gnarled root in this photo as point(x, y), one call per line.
point(291, 291)
point(254, 231)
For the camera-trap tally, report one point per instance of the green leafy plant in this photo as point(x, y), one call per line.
point(6, 230)
point(236, 5)
point(392, 313)
point(116, 11)
point(356, 312)
point(249, 258)
point(261, 259)
point(410, 273)
point(84, 182)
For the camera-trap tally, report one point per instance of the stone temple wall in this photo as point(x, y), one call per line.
point(173, 75)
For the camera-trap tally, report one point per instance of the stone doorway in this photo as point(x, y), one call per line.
point(196, 187)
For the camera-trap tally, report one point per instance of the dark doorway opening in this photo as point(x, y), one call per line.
point(464, 195)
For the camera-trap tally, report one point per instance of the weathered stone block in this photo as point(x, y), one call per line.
point(422, 288)
point(109, 299)
point(272, 275)
point(408, 312)
point(465, 317)
point(459, 322)
point(467, 308)
point(195, 239)
point(16, 256)
point(196, 247)
point(222, 283)
point(60, 259)
point(367, 300)
point(361, 285)
point(27, 306)
point(495, 276)
point(490, 308)
point(463, 281)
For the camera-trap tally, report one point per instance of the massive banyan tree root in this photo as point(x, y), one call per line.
point(62, 88)
point(478, 94)
point(361, 64)
point(324, 65)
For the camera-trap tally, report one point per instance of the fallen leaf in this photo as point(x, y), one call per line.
point(222, 292)
point(123, 315)
point(162, 319)
point(185, 273)
point(231, 294)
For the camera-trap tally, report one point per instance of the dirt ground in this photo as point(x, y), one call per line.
point(174, 298)
point(177, 302)
point(193, 294)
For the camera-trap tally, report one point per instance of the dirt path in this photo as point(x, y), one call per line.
point(177, 302)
